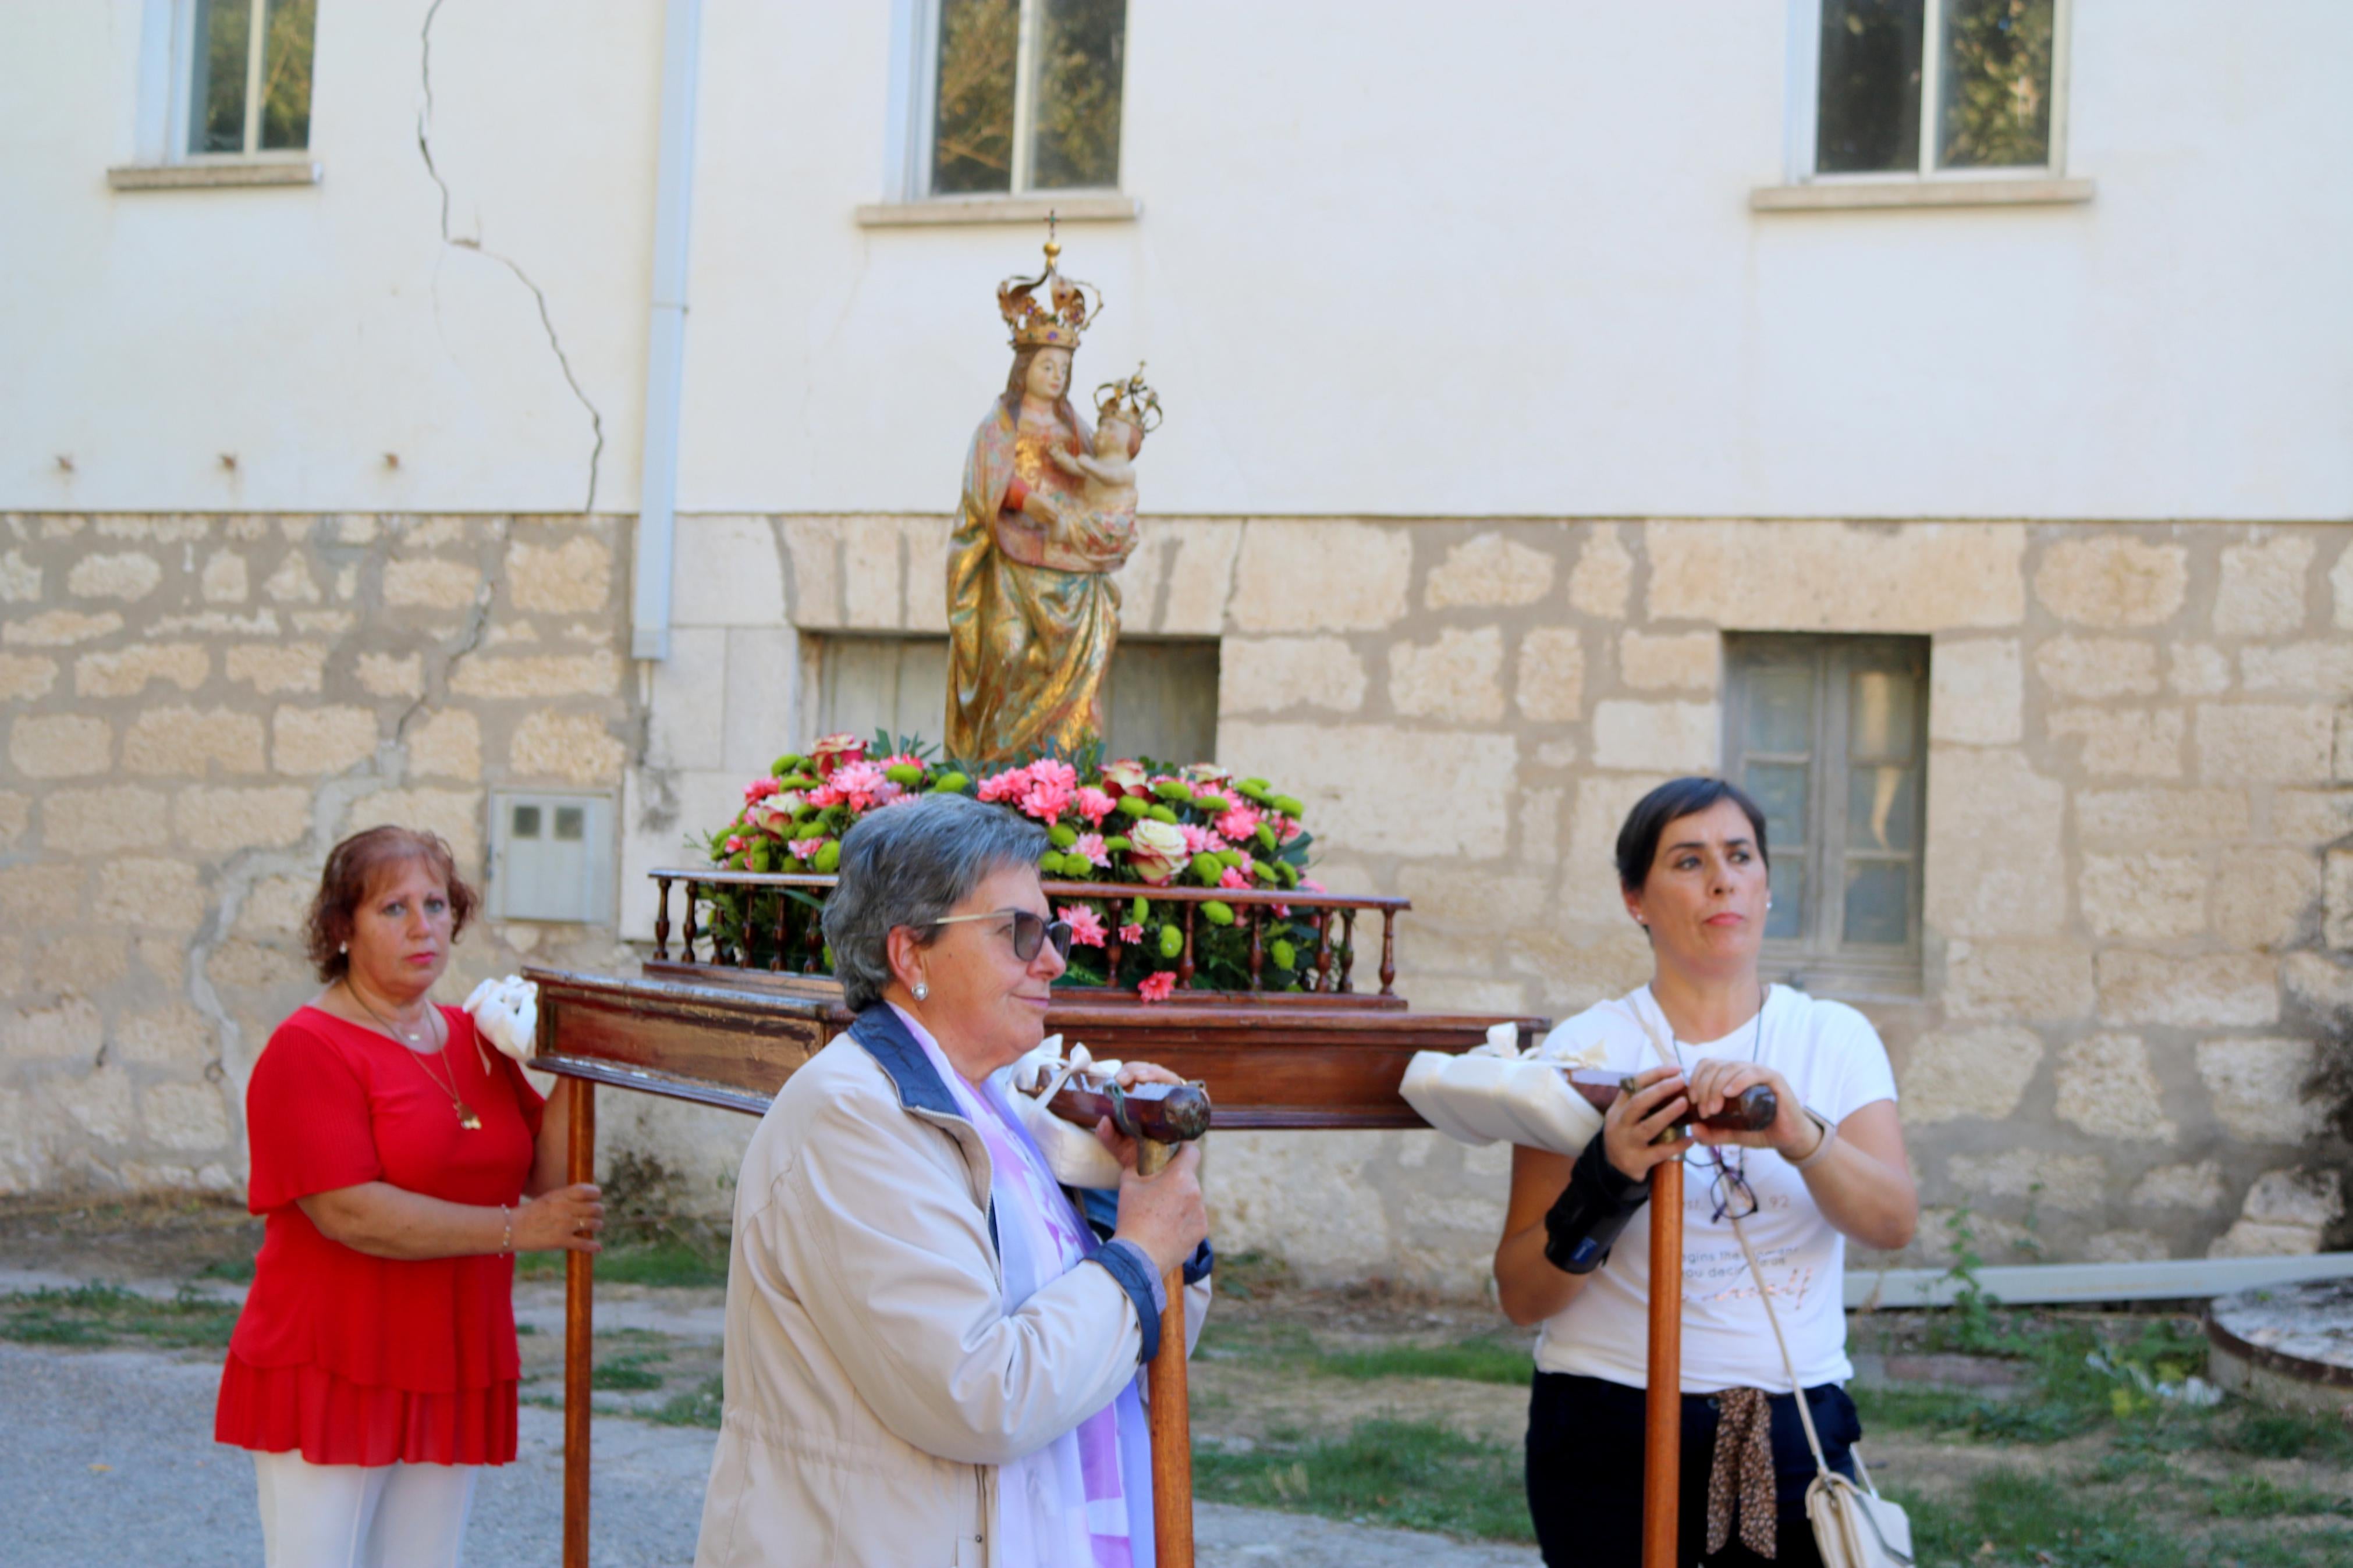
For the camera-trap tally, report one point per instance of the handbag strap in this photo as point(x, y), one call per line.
point(1740, 1234)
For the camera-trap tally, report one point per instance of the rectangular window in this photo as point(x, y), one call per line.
point(1025, 96)
point(1829, 735)
point(249, 76)
point(1163, 699)
point(1937, 87)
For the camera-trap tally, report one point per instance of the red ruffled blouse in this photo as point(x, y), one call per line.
point(356, 1360)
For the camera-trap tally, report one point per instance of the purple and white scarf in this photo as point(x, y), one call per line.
point(1083, 1500)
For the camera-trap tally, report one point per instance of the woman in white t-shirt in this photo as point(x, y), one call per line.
point(1692, 865)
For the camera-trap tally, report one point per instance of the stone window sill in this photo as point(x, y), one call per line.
point(1074, 208)
point(207, 175)
point(1848, 194)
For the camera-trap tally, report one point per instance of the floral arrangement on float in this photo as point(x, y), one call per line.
point(1128, 827)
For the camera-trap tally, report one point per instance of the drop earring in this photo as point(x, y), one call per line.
point(923, 992)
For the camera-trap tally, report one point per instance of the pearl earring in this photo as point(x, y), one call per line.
point(923, 992)
point(343, 947)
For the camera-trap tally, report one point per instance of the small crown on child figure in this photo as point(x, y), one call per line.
point(1130, 400)
point(1056, 319)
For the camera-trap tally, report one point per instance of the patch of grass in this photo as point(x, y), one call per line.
point(2259, 1496)
point(698, 1408)
point(108, 1314)
point(1472, 1361)
point(667, 1261)
point(2008, 1516)
point(631, 1373)
point(2288, 1434)
point(235, 1270)
point(1413, 1475)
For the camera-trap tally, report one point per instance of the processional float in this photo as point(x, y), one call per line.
point(1283, 1038)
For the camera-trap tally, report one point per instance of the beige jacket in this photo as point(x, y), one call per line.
point(874, 1381)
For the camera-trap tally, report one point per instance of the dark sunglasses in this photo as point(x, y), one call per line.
point(1030, 932)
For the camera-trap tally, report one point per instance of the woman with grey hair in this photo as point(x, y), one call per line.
point(931, 1357)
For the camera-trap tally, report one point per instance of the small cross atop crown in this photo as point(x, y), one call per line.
point(1048, 310)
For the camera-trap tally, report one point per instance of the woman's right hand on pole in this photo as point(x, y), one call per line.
point(1165, 1214)
point(565, 1220)
point(1633, 1125)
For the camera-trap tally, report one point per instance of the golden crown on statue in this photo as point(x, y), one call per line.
point(1048, 310)
point(1130, 400)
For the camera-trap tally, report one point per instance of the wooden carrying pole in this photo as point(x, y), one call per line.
point(1171, 1414)
point(579, 1307)
point(1663, 1424)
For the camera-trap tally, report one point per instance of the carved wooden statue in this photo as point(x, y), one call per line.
point(1048, 514)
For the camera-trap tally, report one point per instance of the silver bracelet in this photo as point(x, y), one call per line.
point(1830, 1136)
point(506, 1225)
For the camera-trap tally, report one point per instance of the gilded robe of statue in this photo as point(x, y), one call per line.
point(1031, 617)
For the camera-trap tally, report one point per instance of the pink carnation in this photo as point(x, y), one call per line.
point(1234, 877)
point(1045, 800)
point(804, 848)
point(1286, 829)
point(904, 797)
point(1240, 822)
point(1061, 775)
point(1310, 885)
point(1156, 986)
point(1086, 926)
point(904, 760)
point(825, 795)
point(1011, 784)
point(733, 845)
point(1095, 805)
point(1200, 840)
point(1091, 844)
point(760, 788)
point(862, 784)
point(1129, 935)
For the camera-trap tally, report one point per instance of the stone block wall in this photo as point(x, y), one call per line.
point(2138, 880)
point(196, 707)
point(2139, 856)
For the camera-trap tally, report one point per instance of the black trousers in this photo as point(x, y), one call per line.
point(1585, 1472)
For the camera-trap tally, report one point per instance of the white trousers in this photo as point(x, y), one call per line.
point(362, 1516)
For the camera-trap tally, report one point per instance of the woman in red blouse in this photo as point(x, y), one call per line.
point(401, 1163)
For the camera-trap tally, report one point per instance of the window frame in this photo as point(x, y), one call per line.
point(1820, 959)
point(179, 128)
point(922, 63)
point(1805, 95)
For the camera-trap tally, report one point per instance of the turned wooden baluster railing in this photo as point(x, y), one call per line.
point(661, 921)
point(1389, 952)
point(686, 939)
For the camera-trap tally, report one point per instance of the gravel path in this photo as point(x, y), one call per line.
point(106, 1458)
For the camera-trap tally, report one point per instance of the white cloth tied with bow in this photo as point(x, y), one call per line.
point(506, 1013)
point(1494, 1093)
point(1075, 1154)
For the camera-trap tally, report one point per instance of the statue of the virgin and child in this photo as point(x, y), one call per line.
point(1048, 515)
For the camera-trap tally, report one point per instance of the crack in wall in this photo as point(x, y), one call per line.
point(491, 556)
point(474, 243)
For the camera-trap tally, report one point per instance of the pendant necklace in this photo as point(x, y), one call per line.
point(466, 1119)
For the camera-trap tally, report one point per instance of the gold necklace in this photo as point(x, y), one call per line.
point(466, 1119)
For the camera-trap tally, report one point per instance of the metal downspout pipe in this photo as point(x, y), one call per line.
point(666, 333)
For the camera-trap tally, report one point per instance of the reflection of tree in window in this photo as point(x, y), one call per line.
point(1996, 84)
point(1867, 112)
point(217, 92)
point(250, 91)
point(972, 148)
point(1079, 67)
point(286, 74)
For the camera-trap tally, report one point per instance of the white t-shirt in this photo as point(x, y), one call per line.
point(1832, 1058)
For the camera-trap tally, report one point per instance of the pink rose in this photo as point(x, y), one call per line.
point(1086, 926)
point(1155, 987)
point(1156, 851)
point(835, 750)
point(1095, 805)
point(1125, 777)
point(1091, 844)
point(1130, 935)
